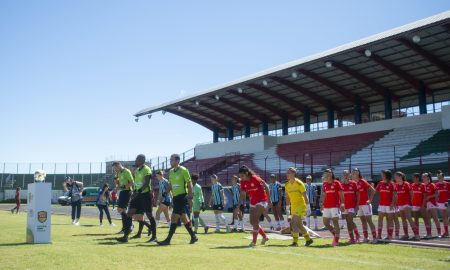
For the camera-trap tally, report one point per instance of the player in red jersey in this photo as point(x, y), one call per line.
point(364, 205)
point(442, 203)
point(351, 200)
point(404, 196)
point(430, 204)
point(388, 200)
point(332, 202)
point(418, 198)
point(17, 199)
point(259, 195)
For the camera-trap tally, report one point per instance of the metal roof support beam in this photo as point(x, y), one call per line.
point(193, 119)
point(293, 104)
point(344, 92)
point(358, 112)
point(285, 125)
point(255, 114)
point(425, 54)
point(230, 132)
point(265, 127)
point(307, 121)
point(302, 91)
point(215, 135)
point(330, 114)
point(422, 99)
point(365, 80)
point(226, 113)
point(247, 130)
point(218, 120)
point(387, 106)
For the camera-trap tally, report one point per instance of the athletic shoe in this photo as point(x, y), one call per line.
point(397, 238)
point(12, 212)
point(153, 239)
point(112, 224)
point(264, 241)
point(73, 222)
point(163, 243)
point(272, 228)
point(233, 230)
point(136, 236)
point(366, 240)
point(444, 235)
point(357, 239)
point(241, 230)
point(278, 228)
point(428, 236)
point(121, 231)
point(293, 244)
point(122, 239)
point(101, 225)
point(77, 223)
point(206, 229)
point(374, 241)
point(308, 242)
point(252, 244)
point(405, 238)
point(193, 240)
point(334, 243)
point(351, 241)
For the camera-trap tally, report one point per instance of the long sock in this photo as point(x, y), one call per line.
point(428, 228)
point(415, 230)
point(308, 222)
point(223, 218)
point(374, 235)
point(236, 224)
point(295, 236)
point(242, 224)
point(124, 218)
point(397, 231)
point(261, 232)
point(380, 230)
point(405, 229)
point(356, 232)
point(255, 235)
point(446, 229)
point(173, 228)
point(153, 226)
point(196, 219)
point(306, 236)
point(217, 222)
point(128, 223)
point(188, 227)
point(390, 231)
point(438, 228)
point(201, 222)
point(352, 236)
point(315, 222)
point(141, 226)
point(366, 234)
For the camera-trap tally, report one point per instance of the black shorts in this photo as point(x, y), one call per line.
point(274, 204)
point(142, 203)
point(179, 204)
point(124, 199)
point(218, 207)
point(165, 203)
point(241, 207)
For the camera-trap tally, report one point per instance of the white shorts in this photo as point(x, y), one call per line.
point(349, 211)
point(441, 206)
point(430, 205)
point(263, 204)
point(331, 213)
point(403, 207)
point(365, 210)
point(396, 209)
point(386, 209)
point(416, 208)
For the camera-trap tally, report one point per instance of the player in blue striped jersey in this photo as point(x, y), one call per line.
point(217, 202)
point(238, 210)
point(276, 195)
point(164, 197)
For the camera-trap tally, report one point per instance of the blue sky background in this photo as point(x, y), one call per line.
point(72, 73)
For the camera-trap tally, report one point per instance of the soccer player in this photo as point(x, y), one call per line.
point(238, 209)
point(431, 194)
point(17, 199)
point(125, 183)
point(141, 201)
point(298, 201)
point(351, 200)
point(443, 189)
point(217, 202)
point(365, 206)
point(276, 194)
point(333, 201)
point(404, 196)
point(164, 197)
point(259, 195)
point(418, 198)
point(388, 200)
point(198, 203)
point(181, 187)
point(311, 192)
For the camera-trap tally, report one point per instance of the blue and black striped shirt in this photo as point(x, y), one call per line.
point(236, 189)
point(216, 190)
point(275, 191)
point(164, 195)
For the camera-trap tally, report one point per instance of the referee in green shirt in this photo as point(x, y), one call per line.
point(181, 186)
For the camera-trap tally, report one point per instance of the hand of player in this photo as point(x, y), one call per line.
point(342, 207)
point(190, 205)
point(391, 207)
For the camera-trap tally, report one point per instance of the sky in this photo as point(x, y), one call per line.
point(73, 73)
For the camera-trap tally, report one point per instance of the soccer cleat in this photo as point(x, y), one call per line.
point(121, 231)
point(252, 244)
point(101, 225)
point(241, 230)
point(294, 244)
point(397, 238)
point(193, 240)
point(163, 243)
point(77, 223)
point(264, 241)
point(444, 235)
point(272, 228)
point(122, 239)
point(334, 243)
point(405, 238)
point(233, 230)
point(374, 241)
point(366, 240)
point(136, 236)
point(153, 239)
point(112, 224)
point(73, 221)
point(351, 242)
point(206, 229)
point(308, 242)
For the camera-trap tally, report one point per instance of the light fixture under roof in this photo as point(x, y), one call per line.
point(136, 119)
point(149, 116)
point(240, 91)
point(179, 108)
point(197, 103)
point(367, 52)
point(328, 64)
point(265, 83)
point(294, 75)
point(217, 97)
point(163, 112)
point(416, 39)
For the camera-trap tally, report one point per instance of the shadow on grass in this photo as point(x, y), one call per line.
point(110, 243)
point(92, 234)
point(14, 244)
point(88, 225)
point(106, 239)
point(231, 247)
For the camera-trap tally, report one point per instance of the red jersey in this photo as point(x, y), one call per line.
point(386, 193)
point(331, 190)
point(114, 195)
point(350, 190)
point(443, 191)
point(430, 190)
point(418, 191)
point(255, 189)
point(17, 197)
point(363, 188)
point(403, 195)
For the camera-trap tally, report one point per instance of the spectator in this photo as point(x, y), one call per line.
point(104, 196)
point(75, 188)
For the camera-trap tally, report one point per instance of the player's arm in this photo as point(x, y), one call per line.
point(372, 193)
point(242, 197)
point(147, 180)
point(341, 196)
point(266, 187)
point(322, 198)
point(306, 198)
point(222, 193)
point(394, 200)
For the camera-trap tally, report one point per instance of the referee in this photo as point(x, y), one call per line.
point(181, 186)
point(124, 183)
point(141, 201)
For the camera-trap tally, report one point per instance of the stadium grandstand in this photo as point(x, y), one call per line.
point(376, 103)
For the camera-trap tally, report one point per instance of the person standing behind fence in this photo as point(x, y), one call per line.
point(17, 200)
point(104, 196)
point(276, 194)
point(311, 192)
point(75, 188)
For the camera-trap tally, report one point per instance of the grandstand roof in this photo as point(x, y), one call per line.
point(396, 62)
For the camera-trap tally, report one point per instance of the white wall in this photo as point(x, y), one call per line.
point(446, 117)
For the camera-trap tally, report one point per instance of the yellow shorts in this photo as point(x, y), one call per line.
point(298, 210)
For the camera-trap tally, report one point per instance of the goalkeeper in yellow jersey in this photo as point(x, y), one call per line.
point(297, 202)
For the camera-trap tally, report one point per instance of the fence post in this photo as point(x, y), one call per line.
point(54, 176)
point(330, 159)
point(312, 165)
point(265, 167)
point(395, 161)
point(420, 162)
point(295, 161)
point(279, 165)
point(303, 165)
point(350, 164)
point(371, 162)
